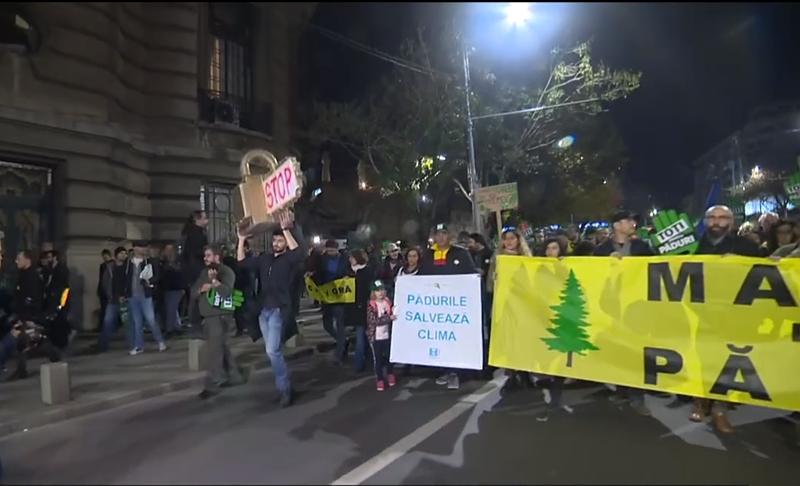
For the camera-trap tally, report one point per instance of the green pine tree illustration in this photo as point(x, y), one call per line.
point(569, 325)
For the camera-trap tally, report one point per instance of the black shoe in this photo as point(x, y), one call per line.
point(286, 399)
point(206, 394)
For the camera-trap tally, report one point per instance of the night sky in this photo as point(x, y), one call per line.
point(705, 67)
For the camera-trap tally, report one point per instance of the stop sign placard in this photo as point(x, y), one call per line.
point(282, 186)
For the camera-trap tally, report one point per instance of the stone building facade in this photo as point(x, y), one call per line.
point(119, 119)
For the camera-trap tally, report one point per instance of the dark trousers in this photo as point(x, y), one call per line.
point(101, 317)
point(334, 325)
point(220, 364)
point(380, 358)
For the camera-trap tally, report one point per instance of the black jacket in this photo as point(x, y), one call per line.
point(275, 273)
point(638, 248)
point(731, 244)
point(358, 310)
point(458, 262)
point(28, 296)
point(172, 276)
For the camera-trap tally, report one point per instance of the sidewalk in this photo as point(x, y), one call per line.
point(104, 381)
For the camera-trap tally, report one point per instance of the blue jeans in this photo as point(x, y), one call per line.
point(271, 324)
point(141, 308)
point(361, 348)
point(172, 299)
point(109, 325)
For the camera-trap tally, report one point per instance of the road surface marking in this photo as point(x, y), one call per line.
point(404, 445)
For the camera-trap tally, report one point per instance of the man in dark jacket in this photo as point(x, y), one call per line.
point(114, 287)
point(445, 259)
point(194, 243)
point(719, 239)
point(29, 293)
point(333, 265)
point(214, 289)
point(107, 258)
point(621, 244)
point(275, 272)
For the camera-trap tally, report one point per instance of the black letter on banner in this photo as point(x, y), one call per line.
point(691, 272)
point(752, 383)
point(751, 287)
point(673, 364)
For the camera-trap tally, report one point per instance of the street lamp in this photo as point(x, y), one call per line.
point(518, 14)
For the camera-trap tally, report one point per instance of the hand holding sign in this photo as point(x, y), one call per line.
point(674, 234)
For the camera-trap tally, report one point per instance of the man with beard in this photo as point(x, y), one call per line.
point(275, 274)
point(719, 240)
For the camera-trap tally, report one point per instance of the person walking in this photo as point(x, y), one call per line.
point(379, 328)
point(413, 259)
point(511, 243)
point(390, 267)
point(214, 290)
point(106, 259)
point(621, 244)
point(719, 239)
point(443, 258)
point(275, 270)
point(332, 265)
point(114, 287)
point(194, 243)
point(140, 287)
point(173, 283)
point(364, 274)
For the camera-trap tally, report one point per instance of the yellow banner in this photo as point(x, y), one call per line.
point(342, 291)
point(725, 328)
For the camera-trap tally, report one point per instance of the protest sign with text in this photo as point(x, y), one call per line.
point(726, 328)
point(438, 321)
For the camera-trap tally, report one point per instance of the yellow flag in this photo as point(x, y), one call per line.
point(341, 291)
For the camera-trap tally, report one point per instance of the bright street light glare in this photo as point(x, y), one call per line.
point(566, 142)
point(518, 14)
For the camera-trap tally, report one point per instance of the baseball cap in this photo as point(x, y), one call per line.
point(624, 214)
point(440, 227)
point(377, 285)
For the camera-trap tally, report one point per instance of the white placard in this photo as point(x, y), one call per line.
point(282, 186)
point(438, 321)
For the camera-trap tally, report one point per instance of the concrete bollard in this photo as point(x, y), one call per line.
point(55, 383)
point(197, 351)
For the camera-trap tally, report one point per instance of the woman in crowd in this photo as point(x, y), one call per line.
point(552, 387)
point(781, 235)
point(512, 243)
point(173, 283)
point(364, 274)
point(411, 267)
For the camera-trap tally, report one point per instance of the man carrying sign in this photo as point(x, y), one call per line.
point(275, 274)
point(211, 289)
point(444, 259)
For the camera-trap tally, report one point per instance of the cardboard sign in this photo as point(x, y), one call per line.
point(793, 188)
point(498, 198)
point(282, 187)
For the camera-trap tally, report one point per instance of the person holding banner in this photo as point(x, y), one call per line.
point(620, 245)
point(445, 259)
point(511, 244)
point(275, 273)
point(719, 239)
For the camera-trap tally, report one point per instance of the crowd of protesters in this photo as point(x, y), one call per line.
point(183, 286)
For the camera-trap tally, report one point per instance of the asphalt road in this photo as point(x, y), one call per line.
point(342, 431)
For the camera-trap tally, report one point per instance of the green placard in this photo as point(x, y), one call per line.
point(793, 188)
point(674, 234)
point(498, 198)
point(230, 304)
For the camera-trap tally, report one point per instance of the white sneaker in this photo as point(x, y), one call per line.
point(567, 409)
point(546, 396)
point(135, 351)
point(442, 380)
point(162, 347)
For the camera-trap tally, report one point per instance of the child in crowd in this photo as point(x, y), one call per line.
point(379, 323)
